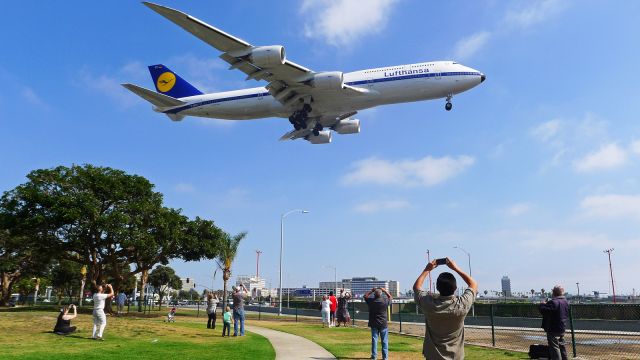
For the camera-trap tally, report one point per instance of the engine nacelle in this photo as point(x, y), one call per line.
point(323, 138)
point(347, 126)
point(330, 80)
point(268, 56)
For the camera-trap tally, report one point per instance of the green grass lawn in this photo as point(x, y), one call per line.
point(27, 335)
point(354, 343)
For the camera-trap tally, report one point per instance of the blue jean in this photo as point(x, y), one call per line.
point(238, 315)
point(384, 338)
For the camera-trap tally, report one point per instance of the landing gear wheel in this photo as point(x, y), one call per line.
point(306, 108)
point(296, 126)
point(316, 132)
point(448, 106)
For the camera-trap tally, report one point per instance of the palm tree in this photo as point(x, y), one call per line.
point(533, 292)
point(228, 251)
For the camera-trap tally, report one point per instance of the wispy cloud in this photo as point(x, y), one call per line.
point(608, 157)
point(611, 206)
point(468, 46)
point(535, 12)
point(343, 22)
point(382, 205)
point(635, 147)
point(558, 240)
point(184, 188)
point(427, 171)
point(546, 131)
point(33, 98)
point(109, 84)
point(518, 209)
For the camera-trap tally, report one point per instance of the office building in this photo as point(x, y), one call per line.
point(506, 286)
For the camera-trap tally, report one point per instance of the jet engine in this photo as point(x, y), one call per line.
point(268, 56)
point(324, 137)
point(330, 80)
point(347, 126)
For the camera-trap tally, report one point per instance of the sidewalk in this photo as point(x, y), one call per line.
point(292, 347)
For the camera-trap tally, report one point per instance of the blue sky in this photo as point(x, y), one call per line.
point(535, 172)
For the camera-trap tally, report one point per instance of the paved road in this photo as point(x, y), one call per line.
point(292, 347)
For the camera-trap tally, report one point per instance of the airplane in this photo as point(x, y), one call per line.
point(316, 103)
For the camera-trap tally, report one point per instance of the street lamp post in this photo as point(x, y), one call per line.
point(281, 246)
point(335, 279)
point(473, 310)
point(578, 285)
point(613, 286)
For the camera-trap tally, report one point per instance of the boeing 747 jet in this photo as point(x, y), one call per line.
point(316, 103)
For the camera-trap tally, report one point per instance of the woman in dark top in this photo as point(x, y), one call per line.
point(342, 314)
point(63, 324)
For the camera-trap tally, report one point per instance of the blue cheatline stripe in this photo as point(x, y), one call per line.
point(361, 82)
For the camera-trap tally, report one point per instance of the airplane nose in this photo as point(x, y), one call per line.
point(483, 77)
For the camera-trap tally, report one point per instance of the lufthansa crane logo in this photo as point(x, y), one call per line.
point(166, 81)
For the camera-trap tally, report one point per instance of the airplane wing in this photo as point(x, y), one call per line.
point(288, 81)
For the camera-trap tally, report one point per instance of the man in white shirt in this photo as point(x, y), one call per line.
point(99, 318)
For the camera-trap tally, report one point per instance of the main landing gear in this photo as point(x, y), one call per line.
point(299, 117)
point(448, 106)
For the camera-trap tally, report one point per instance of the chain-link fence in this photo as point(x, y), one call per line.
point(594, 331)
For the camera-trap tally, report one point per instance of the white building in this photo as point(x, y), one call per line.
point(506, 286)
point(256, 285)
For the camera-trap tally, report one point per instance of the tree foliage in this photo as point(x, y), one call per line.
point(163, 278)
point(99, 217)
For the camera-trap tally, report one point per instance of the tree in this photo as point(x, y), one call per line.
point(486, 292)
point(20, 257)
point(163, 278)
point(533, 292)
point(65, 276)
point(228, 248)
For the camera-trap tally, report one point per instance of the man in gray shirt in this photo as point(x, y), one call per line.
point(238, 309)
point(444, 313)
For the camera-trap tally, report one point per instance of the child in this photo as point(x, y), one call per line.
point(226, 317)
point(171, 316)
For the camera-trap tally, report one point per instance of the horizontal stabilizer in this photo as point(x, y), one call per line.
point(153, 97)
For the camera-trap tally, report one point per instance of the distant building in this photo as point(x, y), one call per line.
point(506, 286)
point(343, 284)
point(358, 286)
point(187, 284)
point(256, 285)
point(394, 288)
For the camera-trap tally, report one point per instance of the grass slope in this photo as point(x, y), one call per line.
point(354, 343)
point(27, 335)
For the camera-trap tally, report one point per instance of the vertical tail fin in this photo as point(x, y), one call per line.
point(169, 83)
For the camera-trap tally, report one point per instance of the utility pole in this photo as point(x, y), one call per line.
point(429, 260)
point(578, 285)
point(613, 286)
point(258, 252)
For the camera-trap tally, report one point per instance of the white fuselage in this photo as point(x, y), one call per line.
point(388, 85)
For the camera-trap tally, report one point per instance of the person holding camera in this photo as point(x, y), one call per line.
point(555, 314)
point(378, 320)
point(444, 313)
point(99, 318)
point(238, 308)
point(63, 323)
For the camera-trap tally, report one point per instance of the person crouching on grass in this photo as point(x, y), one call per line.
point(63, 324)
point(226, 321)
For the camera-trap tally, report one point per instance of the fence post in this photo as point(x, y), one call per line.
point(296, 312)
point(198, 314)
point(573, 334)
point(353, 310)
point(259, 311)
point(400, 318)
point(493, 329)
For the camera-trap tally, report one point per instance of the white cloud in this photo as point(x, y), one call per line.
point(635, 147)
point(612, 206)
point(607, 157)
point(109, 85)
point(536, 12)
point(342, 22)
point(557, 240)
point(184, 188)
point(467, 47)
point(427, 171)
point(33, 98)
point(518, 209)
point(546, 131)
point(378, 206)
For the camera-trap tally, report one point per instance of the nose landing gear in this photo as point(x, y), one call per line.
point(448, 106)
